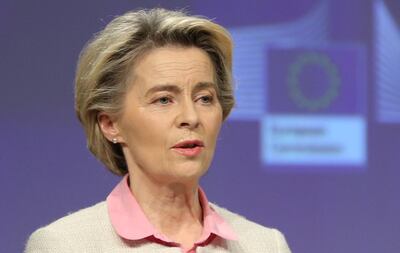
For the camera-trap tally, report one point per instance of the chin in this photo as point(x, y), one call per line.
point(190, 173)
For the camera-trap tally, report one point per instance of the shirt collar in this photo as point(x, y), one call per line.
point(130, 222)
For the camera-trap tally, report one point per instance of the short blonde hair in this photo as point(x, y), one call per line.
point(106, 61)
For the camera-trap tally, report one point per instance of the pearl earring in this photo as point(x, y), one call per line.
point(114, 140)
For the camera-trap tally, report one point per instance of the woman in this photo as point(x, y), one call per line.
point(152, 90)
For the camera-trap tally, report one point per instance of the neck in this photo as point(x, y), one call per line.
point(172, 207)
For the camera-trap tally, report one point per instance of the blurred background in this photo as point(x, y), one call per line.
point(312, 147)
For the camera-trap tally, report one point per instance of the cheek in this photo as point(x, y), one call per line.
point(217, 120)
point(146, 135)
point(145, 143)
point(138, 130)
point(214, 125)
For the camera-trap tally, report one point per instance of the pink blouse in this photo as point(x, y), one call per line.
point(131, 223)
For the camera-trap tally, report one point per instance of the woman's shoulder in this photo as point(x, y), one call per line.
point(85, 226)
point(89, 215)
point(251, 235)
point(239, 221)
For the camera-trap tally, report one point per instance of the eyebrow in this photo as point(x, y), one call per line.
point(176, 89)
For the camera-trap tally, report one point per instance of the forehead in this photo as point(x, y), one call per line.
point(173, 65)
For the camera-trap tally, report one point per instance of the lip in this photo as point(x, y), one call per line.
point(182, 149)
point(182, 144)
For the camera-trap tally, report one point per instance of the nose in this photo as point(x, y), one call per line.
point(188, 116)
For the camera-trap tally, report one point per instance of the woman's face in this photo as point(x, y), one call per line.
point(171, 115)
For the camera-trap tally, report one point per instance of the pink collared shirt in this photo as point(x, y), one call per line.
point(130, 222)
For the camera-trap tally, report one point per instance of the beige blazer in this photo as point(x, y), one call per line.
point(90, 231)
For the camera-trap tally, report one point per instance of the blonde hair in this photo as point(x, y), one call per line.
point(105, 63)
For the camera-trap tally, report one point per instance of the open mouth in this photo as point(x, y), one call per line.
point(189, 148)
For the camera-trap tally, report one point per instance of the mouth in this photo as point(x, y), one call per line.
point(189, 148)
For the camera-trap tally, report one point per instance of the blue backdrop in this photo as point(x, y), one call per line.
point(315, 133)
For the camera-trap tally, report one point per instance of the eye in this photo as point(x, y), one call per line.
point(207, 99)
point(163, 100)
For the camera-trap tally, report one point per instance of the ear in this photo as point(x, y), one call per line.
point(109, 127)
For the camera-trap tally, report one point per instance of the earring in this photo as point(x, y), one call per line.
point(114, 140)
